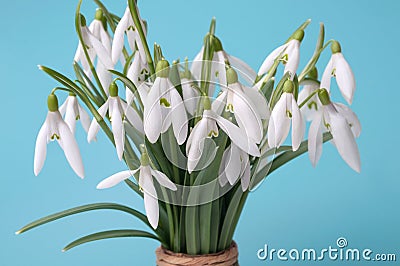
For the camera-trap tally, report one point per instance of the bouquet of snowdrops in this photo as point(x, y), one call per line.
point(196, 136)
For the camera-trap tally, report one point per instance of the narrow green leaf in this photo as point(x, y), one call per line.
point(109, 234)
point(84, 208)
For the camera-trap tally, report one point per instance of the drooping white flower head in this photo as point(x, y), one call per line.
point(98, 28)
point(146, 183)
point(289, 54)
point(164, 107)
point(117, 110)
point(95, 48)
point(127, 26)
point(235, 164)
point(73, 111)
point(137, 73)
point(309, 87)
point(339, 68)
point(218, 68)
point(248, 105)
point(54, 128)
point(344, 126)
point(286, 111)
point(207, 128)
point(189, 93)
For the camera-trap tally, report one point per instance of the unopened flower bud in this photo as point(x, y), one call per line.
point(162, 69)
point(335, 47)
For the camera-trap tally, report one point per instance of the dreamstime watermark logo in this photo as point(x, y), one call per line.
point(340, 252)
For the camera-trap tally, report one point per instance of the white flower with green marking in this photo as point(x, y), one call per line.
point(118, 110)
point(146, 183)
point(286, 112)
point(54, 128)
point(344, 126)
point(72, 111)
point(341, 70)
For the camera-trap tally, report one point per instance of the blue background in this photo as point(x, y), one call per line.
point(296, 207)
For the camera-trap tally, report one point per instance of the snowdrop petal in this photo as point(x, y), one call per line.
point(351, 118)
point(70, 114)
point(222, 179)
point(195, 144)
point(178, 117)
point(298, 126)
point(150, 196)
point(70, 147)
point(190, 96)
point(41, 148)
point(293, 57)
point(101, 52)
point(219, 103)
point(279, 121)
point(133, 117)
point(152, 116)
point(115, 179)
point(237, 135)
point(163, 180)
point(85, 119)
point(344, 141)
point(344, 77)
point(63, 108)
point(233, 164)
point(94, 126)
point(117, 128)
point(315, 139)
point(118, 41)
point(269, 61)
point(195, 68)
point(259, 101)
point(105, 76)
point(327, 75)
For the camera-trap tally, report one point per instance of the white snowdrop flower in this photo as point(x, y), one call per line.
point(164, 107)
point(137, 73)
point(127, 26)
point(207, 128)
point(55, 128)
point(218, 69)
point(146, 183)
point(189, 93)
point(117, 110)
point(95, 48)
point(289, 54)
point(73, 111)
point(98, 28)
point(248, 106)
point(340, 69)
point(235, 164)
point(344, 126)
point(309, 87)
point(286, 112)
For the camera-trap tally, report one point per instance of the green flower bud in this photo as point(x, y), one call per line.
point(298, 35)
point(335, 47)
point(52, 103)
point(313, 73)
point(99, 14)
point(323, 96)
point(144, 159)
point(217, 44)
point(231, 76)
point(83, 20)
point(288, 86)
point(162, 69)
point(113, 89)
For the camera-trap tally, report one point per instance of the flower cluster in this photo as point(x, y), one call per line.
point(219, 97)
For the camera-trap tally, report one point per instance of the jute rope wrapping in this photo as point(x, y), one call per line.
point(228, 257)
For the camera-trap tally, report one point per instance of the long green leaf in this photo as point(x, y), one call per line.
point(109, 234)
point(84, 208)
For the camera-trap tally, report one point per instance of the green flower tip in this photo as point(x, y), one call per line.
point(288, 86)
point(206, 103)
point(113, 89)
point(231, 76)
point(52, 103)
point(217, 44)
point(72, 94)
point(162, 69)
point(298, 35)
point(99, 14)
point(335, 47)
point(323, 96)
point(313, 73)
point(83, 20)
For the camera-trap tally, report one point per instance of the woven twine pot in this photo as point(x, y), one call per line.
point(228, 257)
